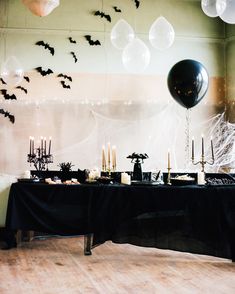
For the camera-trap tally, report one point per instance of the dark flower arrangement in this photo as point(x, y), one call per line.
point(137, 157)
point(65, 166)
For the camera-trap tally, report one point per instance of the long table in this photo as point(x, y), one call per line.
point(196, 219)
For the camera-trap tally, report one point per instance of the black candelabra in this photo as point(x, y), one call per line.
point(40, 157)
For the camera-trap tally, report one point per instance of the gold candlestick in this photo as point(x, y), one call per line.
point(169, 176)
point(168, 168)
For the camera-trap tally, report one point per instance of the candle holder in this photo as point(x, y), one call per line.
point(40, 159)
point(168, 176)
point(203, 162)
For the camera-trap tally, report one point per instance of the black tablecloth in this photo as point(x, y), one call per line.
point(195, 219)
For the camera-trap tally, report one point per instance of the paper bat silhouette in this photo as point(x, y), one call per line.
point(7, 114)
point(7, 96)
point(116, 9)
point(102, 14)
point(65, 77)
point(71, 40)
point(46, 46)
point(74, 56)
point(137, 3)
point(91, 42)
point(64, 85)
point(4, 83)
point(43, 72)
point(27, 79)
point(22, 88)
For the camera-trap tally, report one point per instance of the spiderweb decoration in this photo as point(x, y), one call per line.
point(223, 134)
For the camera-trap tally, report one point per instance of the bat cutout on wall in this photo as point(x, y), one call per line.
point(22, 88)
point(4, 83)
point(64, 85)
point(65, 77)
point(71, 40)
point(44, 72)
point(116, 9)
point(137, 3)
point(27, 79)
point(8, 96)
point(103, 15)
point(91, 42)
point(7, 114)
point(74, 56)
point(46, 46)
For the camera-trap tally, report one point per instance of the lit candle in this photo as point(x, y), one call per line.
point(30, 145)
point(114, 163)
point(212, 150)
point(192, 148)
point(49, 149)
point(109, 155)
point(33, 145)
point(41, 142)
point(45, 145)
point(202, 146)
point(103, 159)
point(168, 159)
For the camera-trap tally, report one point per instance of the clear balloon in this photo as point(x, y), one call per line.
point(228, 15)
point(12, 72)
point(136, 56)
point(161, 34)
point(209, 7)
point(122, 33)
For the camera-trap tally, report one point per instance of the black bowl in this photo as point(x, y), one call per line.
point(179, 182)
point(104, 180)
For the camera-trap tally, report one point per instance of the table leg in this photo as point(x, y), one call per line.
point(87, 244)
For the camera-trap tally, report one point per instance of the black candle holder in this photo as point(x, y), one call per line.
point(40, 159)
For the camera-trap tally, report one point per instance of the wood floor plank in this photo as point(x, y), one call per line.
point(57, 265)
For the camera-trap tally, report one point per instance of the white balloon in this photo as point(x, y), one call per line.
point(221, 6)
point(12, 72)
point(209, 7)
point(122, 33)
point(136, 56)
point(161, 34)
point(41, 7)
point(228, 15)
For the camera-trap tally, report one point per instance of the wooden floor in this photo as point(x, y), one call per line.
point(57, 265)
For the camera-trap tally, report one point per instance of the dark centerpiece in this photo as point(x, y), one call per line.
point(137, 159)
point(65, 168)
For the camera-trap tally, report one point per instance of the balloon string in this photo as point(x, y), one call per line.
point(187, 136)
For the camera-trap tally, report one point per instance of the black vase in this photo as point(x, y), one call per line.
point(137, 172)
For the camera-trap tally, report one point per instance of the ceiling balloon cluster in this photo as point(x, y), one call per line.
point(41, 7)
point(225, 9)
point(136, 54)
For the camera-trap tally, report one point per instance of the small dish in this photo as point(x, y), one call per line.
point(181, 182)
point(104, 180)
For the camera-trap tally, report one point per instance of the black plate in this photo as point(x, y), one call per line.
point(144, 183)
point(28, 180)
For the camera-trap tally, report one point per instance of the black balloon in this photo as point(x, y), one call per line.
point(188, 82)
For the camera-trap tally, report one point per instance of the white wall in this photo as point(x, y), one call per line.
point(133, 111)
